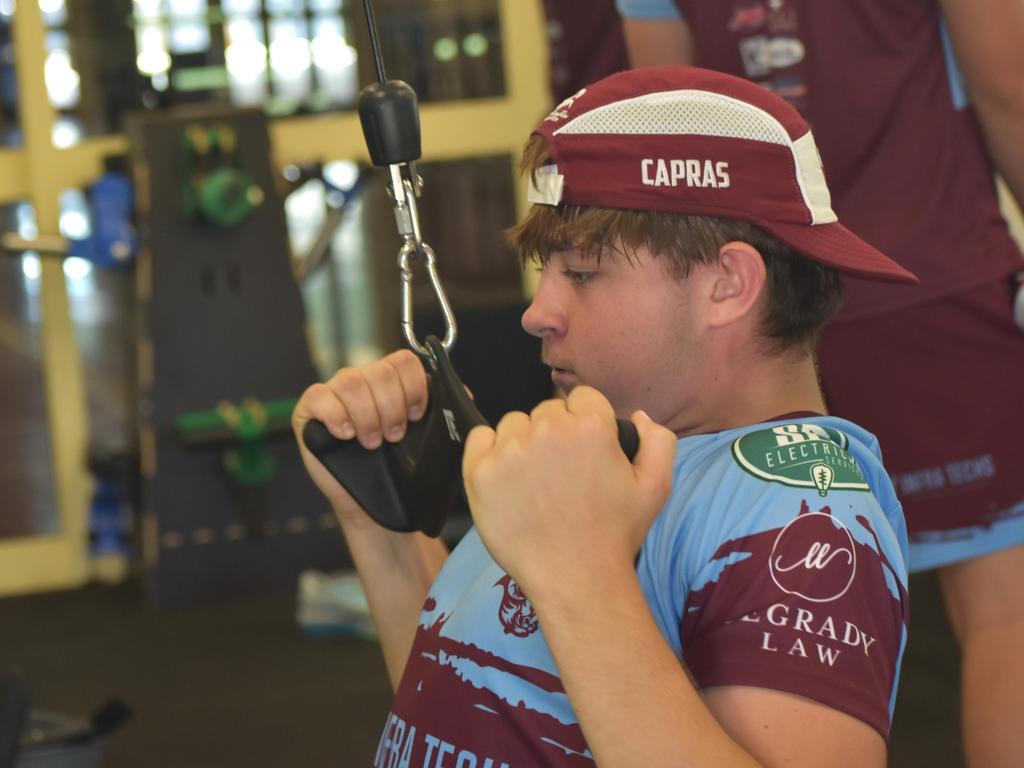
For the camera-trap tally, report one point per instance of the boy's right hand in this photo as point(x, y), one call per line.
point(371, 403)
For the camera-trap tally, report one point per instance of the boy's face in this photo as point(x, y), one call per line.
point(622, 326)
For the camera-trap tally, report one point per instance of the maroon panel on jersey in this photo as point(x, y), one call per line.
point(434, 702)
point(908, 172)
point(808, 612)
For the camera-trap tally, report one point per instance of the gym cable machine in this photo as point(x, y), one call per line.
point(411, 485)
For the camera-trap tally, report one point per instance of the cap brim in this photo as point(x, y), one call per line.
point(836, 246)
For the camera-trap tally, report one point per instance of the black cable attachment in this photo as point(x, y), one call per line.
point(411, 485)
point(414, 484)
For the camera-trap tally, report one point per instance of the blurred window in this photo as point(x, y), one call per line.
point(108, 57)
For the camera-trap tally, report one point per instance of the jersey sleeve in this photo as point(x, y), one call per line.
point(798, 586)
point(647, 10)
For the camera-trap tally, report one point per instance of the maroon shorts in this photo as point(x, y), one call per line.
point(942, 386)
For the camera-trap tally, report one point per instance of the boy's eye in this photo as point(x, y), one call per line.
point(577, 277)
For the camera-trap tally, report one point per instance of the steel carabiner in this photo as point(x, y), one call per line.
point(403, 189)
point(408, 252)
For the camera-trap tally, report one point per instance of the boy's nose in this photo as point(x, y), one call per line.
point(545, 316)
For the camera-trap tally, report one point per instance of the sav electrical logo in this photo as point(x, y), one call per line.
point(814, 557)
point(800, 456)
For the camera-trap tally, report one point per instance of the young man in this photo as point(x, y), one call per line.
point(736, 594)
point(910, 141)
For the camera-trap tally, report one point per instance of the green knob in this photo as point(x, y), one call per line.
point(228, 196)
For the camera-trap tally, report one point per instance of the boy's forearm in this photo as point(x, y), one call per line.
point(396, 570)
point(632, 696)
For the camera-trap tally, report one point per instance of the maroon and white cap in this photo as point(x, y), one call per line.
point(691, 141)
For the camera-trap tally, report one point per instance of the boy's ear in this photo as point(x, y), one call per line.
point(738, 283)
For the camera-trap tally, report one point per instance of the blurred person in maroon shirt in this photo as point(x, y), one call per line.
point(586, 43)
point(914, 105)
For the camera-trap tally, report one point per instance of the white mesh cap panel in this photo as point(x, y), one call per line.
point(703, 113)
point(681, 112)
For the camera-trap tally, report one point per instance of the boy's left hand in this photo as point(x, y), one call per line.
point(555, 500)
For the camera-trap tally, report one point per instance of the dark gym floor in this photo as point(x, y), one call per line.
point(229, 683)
point(234, 683)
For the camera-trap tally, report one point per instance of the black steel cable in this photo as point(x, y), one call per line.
point(378, 57)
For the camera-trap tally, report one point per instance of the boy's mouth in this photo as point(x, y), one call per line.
point(563, 378)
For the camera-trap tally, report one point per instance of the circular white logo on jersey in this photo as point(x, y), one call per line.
point(814, 557)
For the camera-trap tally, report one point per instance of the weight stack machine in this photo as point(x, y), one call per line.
point(227, 506)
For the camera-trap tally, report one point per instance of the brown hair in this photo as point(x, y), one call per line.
point(802, 295)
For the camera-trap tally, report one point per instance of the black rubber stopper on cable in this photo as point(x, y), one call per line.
point(391, 123)
point(388, 110)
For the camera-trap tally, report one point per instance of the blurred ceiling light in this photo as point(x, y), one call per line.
point(148, 7)
point(74, 225)
point(289, 56)
point(61, 79)
point(153, 61)
point(186, 8)
point(76, 268)
point(445, 49)
point(66, 133)
point(51, 6)
point(332, 52)
point(31, 267)
point(475, 45)
point(25, 220)
point(189, 37)
point(245, 59)
point(341, 173)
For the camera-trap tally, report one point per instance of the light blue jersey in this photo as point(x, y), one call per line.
point(779, 561)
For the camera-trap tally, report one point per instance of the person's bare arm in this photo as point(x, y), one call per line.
point(374, 403)
point(396, 570)
point(658, 43)
point(987, 37)
point(783, 729)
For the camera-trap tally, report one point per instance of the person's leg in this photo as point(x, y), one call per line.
point(985, 601)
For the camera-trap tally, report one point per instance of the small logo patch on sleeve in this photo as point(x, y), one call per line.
point(800, 456)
